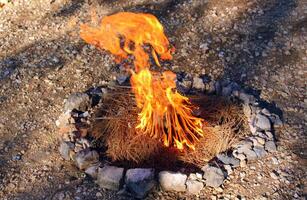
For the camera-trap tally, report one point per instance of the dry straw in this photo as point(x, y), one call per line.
point(114, 122)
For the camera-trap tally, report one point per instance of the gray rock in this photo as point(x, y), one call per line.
point(262, 122)
point(260, 152)
point(214, 177)
point(140, 182)
point(269, 135)
point(270, 146)
point(79, 101)
point(250, 154)
point(86, 158)
point(194, 186)
point(218, 87)
point(110, 177)
point(121, 79)
point(65, 149)
point(172, 181)
point(228, 160)
point(198, 83)
point(243, 146)
point(265, 112)
point(246, 98)
point(276, 120)
point(92, 171)
point(240, 156)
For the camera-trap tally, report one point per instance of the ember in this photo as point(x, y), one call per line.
point(164, 113)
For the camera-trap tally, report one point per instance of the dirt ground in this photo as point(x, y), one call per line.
point(261, 44)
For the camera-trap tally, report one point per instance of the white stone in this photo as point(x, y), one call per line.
point(172, 181)
point(194, 187)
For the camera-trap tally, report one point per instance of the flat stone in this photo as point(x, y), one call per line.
point(92, 171)
point(228, 160)
point(213, 176)
point(65, 149)
point(194, 186)
point(262, 122)
point(78, 101)
point(140, 181)
point(110, 177)
point(270, 146)
point(250, 154)
point(86, 158)
point(260, 152)
point(172, 181)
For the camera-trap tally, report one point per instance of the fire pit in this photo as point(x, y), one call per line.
point(188, 131)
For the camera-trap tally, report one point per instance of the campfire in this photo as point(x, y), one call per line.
point(132, 132)
point(163, 112)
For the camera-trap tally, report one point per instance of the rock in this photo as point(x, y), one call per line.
point(194, 187)
point(92, 171)
point(140, 182)
point(265, 112)
point(276, 120)
point(250, 154)
point(247, 110)
point(260, 152)
point(240, 156)
point(172, 181)
point(78, 101)
point(121, 79)
point(198, 83)
point(218, 87)
point(228, 160)
point(269, 135)
point(192, 177)
point(243, 146)
point(243, 163)
point(65, 149)
point(213, 176)
point(184, 82)
point(262, 122)
point(228, 169)
point(110, 177)
point(246, 98)
point(64, 119)
point(260, 140)
point(270, 146)
point(86, 158)
point(199, 176)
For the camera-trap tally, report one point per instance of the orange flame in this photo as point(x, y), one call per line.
point(164, 112)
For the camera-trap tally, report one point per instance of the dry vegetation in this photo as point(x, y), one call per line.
point(115, 119)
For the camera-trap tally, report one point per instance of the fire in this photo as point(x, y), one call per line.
point(165, 113)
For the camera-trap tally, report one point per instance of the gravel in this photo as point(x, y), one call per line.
point(263, 47)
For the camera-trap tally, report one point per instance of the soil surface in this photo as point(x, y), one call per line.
point(261, 44)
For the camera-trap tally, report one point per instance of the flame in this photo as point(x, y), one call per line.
point(165, 113)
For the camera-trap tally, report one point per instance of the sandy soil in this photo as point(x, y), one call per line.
point(259, 43)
